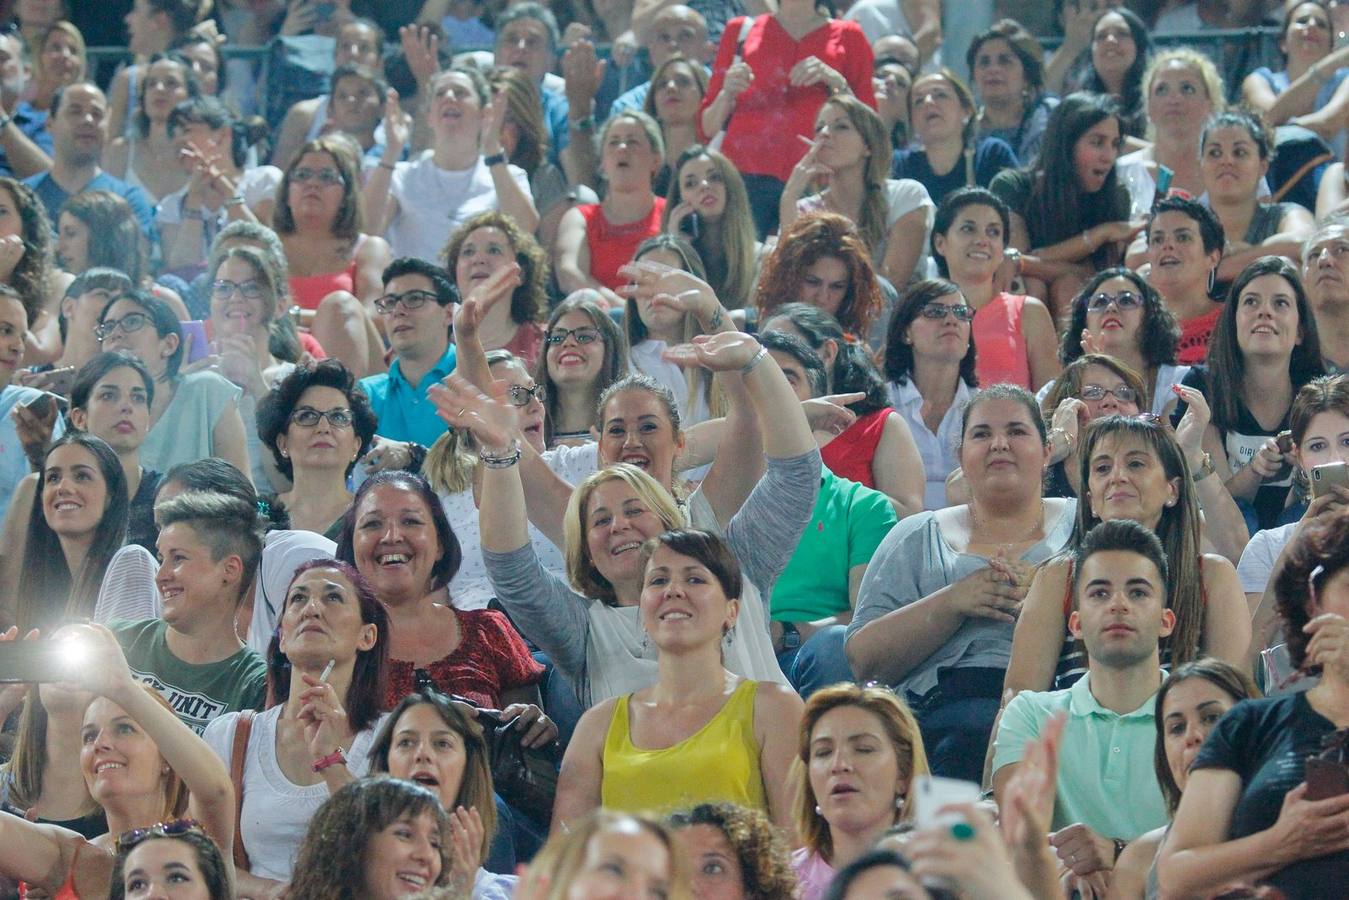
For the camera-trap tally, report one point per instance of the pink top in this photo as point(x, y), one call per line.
point(813, 874)
point(527, 343)
point(308, 291)
point(1000, 346)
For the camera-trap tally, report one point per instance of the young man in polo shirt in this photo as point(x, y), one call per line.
point(417, 313)
point(1107, 787)
point(813, 598)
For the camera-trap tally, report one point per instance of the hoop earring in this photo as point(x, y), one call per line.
point(1212, 279)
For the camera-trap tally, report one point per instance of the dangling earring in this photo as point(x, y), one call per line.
point(899, 801)
point(646, 642)
point(728, 639)
point(1212, 279)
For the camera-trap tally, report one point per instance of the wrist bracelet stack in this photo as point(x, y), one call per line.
point(503, 460)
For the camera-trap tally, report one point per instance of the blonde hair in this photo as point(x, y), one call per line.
point(581, 571)
point(900, 726)
point(551, 873)
point(453, 459)
point(1189, 58)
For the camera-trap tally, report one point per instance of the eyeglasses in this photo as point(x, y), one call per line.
point(1124, 300)
point(308, 417)
point(411, 300)
point(129, 323)
point(322, 176)
point(581, 335)
point(1122, 393)
point(520, 396)
point(224, 289)
point(128, 839)
point(940, 311)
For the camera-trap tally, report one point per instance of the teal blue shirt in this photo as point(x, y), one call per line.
point(1106, 777)
point(405, 412)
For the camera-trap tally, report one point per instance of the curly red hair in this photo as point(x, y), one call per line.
point(809, 239)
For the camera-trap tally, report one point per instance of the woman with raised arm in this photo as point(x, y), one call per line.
point(316, 733)
point(1134, 468)
point(1310, 90)
point(594, 637)
point(700, 733)
point(1014, 333)
point(140, 764)
point(146, 156)
point(937, 604)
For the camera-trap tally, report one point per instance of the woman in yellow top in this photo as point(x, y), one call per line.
point(700, 733)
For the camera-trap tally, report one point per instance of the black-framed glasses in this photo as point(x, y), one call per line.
point(1124, 301)
point(520, 396)
point(308, 417)
point(1122, 392)
point(583, 335)
point(129, 323)
point(128, 839)
point(414, 299)
point(961, 311)
point(223, 289)
point(304, 175)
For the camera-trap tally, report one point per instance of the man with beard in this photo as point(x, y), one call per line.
point(79, 128)
point(1107, 787)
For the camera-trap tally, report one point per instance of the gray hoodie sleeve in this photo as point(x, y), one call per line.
point(765, 531)
point(548, 612)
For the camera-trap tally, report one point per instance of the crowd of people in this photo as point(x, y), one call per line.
point(801, 451)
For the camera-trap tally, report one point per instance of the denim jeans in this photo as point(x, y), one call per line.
point(818, 662)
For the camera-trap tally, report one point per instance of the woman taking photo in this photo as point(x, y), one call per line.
point(850, 151)
point(1120, 315)
point(317, 424)
point(822, 260)
point(146, 156)
point(1070, 213)
point(950, 582)
point(170, 859)
point(733, 852)
point(1183, 89)
point(942, 115)
point(396, 535)
point(384, 838)
point(420, 203)
point(929, 368)
point(709, 207)
point(140, 764)
point(1309, 91)
point(336, 268)
point(76, 525)
point(484, 244)
point(193, 415)
point(316, 733)
point(658, 747)
point(1133, 468)
point(584, 353)
point(1248, 812)
point(1264, 350)
point(1235, 150)
point(770, 77)
point(1185, 243)
point(1189, 705)
point(678, 87)
point(1007, 66)
point(876, 450)
point(858, 752)
point(595, 239)
point(1121, 50)
point(1014, 333)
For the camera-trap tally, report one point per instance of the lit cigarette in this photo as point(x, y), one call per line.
point(327, 670)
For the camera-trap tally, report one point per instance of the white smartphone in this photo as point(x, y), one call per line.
point(930, 793)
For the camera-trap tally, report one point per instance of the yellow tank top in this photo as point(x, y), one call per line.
point(718, 762)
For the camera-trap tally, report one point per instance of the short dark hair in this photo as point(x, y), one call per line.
point(1219, 672)
point(872, 859)
point(100, 365)
point(800, 351)
point(1126, 535)
point(441, 284)
point(227, 525)
point(365, 695)
point(1210, 228)
point(1023, 44)
point(100, 278)
point(275, 409)
point(708, 549)
point(442, 573)
point(214, 475)
point(764, 857)
point(163, 317)
point(854, 370)
point(898, 359)
point(950, 207)
point(1014, 392)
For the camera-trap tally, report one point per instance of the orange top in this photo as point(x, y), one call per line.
point(1000, 346)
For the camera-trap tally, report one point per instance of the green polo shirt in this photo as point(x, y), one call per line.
point(1106, 778)
point(847, 525)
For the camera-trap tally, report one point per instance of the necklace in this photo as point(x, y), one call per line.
point(979, 527)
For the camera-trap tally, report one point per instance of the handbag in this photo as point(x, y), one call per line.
point(525, 777)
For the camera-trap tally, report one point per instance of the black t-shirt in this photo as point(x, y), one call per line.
point(991, 156)
point(1266, 743)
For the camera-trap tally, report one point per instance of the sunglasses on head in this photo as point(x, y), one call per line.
point(128, 839)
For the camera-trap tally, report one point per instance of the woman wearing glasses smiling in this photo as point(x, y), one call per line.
point(193, 415)
point(317, 423)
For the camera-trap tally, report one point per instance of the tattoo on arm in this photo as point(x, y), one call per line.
point(716, 318)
